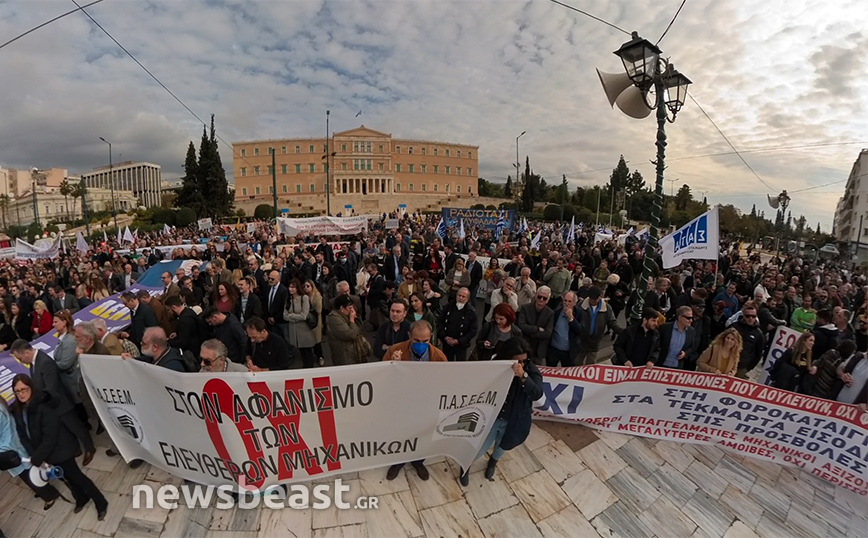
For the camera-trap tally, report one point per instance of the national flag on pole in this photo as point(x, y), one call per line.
point(80, 243)
point(534, 243)
point(631, 231)
point(136, 234)
point(461, 233)
point(441, 229)
point(699, 239)
point(166, 229)
point(501, 224)
point(571, 236)
point(105, 237)
point(128, 237)
point(522, 228)
point(581, 226)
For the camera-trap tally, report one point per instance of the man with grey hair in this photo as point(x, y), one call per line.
point(504, 294)
point(525, 287)
point(155, 349)
point(343, 288)
point(109, 340)
point(214, 358)
point(536, 321)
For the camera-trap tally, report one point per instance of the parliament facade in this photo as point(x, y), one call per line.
point(368, 172)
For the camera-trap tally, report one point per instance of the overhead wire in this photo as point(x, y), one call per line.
point(585, 13)
point(46, 23)
point(671, 22)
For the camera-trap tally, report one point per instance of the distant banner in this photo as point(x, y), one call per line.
point(278, 427)
point(323, 225)
point(392, 224)
point(43, 249)
point(205, 224)
point(784, 339)
point(825, 438)
point(477, 218)
point(699, 239)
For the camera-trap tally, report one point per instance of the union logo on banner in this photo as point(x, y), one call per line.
point(694, 234)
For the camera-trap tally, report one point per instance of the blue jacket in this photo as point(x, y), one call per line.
point(9, 439)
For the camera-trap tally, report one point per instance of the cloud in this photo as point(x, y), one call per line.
point(472, 72)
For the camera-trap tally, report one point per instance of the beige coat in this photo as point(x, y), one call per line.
point(712, 359)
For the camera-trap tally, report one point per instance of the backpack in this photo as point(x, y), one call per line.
point(189, 361)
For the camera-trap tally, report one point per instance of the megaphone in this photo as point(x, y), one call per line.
point(620, 91)
point(774, 202)
point(41, 476)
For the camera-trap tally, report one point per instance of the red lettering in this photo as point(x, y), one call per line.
point(327, 422)
point(224, 395)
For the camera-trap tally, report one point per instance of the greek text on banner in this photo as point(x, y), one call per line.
point(278, 427)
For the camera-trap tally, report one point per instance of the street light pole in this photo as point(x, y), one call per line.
point(33, 173)
point(274, 180)
point(84, 208)
point(112, 184)
point(517, 161)
point(328, 170)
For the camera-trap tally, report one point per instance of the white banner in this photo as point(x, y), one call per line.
point(323, 225)
point(825, 438)
point(251, 227)
point(205, 224)
point(784, 339)
point(699, 239)
point(392, 224)
point(600, 237)
point(278, 427)
point(26, 251)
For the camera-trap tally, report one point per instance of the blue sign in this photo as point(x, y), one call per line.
point(348, 206)
point(285, 210)
point(402, 206)
point(694, 234)
point(478, 218)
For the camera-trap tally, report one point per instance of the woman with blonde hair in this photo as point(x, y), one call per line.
point(42, 319)
point(98, 288)
point(795, 364)
point(722, 356)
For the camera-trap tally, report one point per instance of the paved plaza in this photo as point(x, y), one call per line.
point(566, 480)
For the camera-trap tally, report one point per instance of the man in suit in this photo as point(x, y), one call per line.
point(449, 258)
point(114, 283)
point(62, 301)
point(190, 330)
point(249, 304)
point(475, 269)
point(261, 279)
point(109, 340)
point(317, 269)
point(275, 301)
point(536, 321)
point(128, 278)
point(46, 379)
point(141, 317)
point(393, 266)
point(678, 342)
point(170, 289)
point(457, 327)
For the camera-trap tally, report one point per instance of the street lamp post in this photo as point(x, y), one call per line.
point(517, 161)
point(112, 184)
point(647, 71)
point(83, 208)
point(33, 173)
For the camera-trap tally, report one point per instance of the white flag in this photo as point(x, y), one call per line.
point(571, 236)
point(80, 243)
point(166, 229)
point(136, 234)
point(699, 239)
point(461, 233)
point(128, 237)
point(105, 237)
point(534, 243)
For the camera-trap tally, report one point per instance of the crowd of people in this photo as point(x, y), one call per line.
point(262, 301)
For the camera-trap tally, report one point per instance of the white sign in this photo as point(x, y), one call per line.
point(26, 251)
point(392, 224)
point(600, 237)
point(784, 339)
point(323, 225)
point(699, 239)
point(251, 227)
point(205, 224)
point(279, 427)
point(822, 437)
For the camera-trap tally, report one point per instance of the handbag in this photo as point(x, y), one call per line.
point(361, 350)
point(312, 319)
point(9, 459)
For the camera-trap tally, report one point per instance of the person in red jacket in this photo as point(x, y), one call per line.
point(42, 321)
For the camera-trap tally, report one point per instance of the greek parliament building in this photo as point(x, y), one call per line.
point(143, 179)
point(369, 171)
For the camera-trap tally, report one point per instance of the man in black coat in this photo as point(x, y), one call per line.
point(678, 350)
point(326, 250)
point(274, 299)
point(752, 337)
point(190, 329)
point(227, 329)
point(536, 321)
point(475, 269)
point(826, 334)
point(394, 264)
point(457, 327)
point(249, 304)
point(635, 345)
point(46, 380)
point(141, 317)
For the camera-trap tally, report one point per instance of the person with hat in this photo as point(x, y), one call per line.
point(595, 316)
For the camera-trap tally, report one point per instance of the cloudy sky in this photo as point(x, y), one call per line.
point(772, 75)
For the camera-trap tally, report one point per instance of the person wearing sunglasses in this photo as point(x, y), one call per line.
point(213, 357)
point(678, 342)
point(537, 321)
point(752, 337)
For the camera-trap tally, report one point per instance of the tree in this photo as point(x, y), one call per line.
point(753, 211)
point(65, 191)
point(263, 212)
point(77, 191)
point(204, 188)
point(184, 217)
point(635, 184)
point(240, 213)
point(620, 176)
point(683, 197)
point(507, 191)
point(533, 188)
point(589, 201)
point(190, 195)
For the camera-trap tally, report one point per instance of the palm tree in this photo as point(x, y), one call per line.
point(4, 206)
point(75, 192)
point(66, 190)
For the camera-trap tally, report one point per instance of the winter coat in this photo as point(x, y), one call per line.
point(67, 362)
point(296, 312)
point(44, 436)
point(530, 321)
point(825, 383)
point(712, 359)
point(522, 395)
point(341, 335)
point(489, 332)
point(605, 319)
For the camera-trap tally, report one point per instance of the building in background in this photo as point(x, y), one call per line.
point(55, 207)
point(851, 215)
point(143, 179)
point(371, 172)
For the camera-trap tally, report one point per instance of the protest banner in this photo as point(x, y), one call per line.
point(392, 224)
point(477, 218)
point(42, 249)
point(699, 239)
point(784, 339)
point(825, 438)
point(279, 427)
point(323, 225)
point(205, 224)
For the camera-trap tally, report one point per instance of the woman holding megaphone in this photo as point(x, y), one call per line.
point(50, 443)
point(13, 456)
